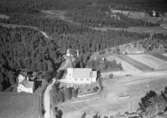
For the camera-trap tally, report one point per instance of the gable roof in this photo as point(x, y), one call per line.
point(27, 84)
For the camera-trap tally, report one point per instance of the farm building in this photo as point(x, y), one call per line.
point(24, 84)
point(80, 76)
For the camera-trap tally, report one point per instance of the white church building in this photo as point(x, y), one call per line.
point(79, 76)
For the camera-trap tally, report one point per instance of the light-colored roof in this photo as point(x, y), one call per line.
point(82, 72)
point(23, 80)
point(27, 84)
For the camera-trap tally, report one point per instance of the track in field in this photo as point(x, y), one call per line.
point(160, 56)
point(135, 63)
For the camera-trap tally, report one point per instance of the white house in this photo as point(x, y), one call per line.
point(24, 85)
point(80, 76)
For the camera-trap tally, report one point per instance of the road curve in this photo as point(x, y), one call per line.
point(46, 100)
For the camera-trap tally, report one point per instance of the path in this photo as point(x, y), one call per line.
point(136, 29)
point(46, 100)
point(24, 26)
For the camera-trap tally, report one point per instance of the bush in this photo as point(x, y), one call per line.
point(152, 104)
point(111, 76)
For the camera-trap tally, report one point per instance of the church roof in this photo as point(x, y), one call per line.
point(82, 72)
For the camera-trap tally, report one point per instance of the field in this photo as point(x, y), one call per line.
point(150, 61)
point(136, 64)
point(126, 66)
point(165, 54)
point(14, 105)
point(160, 56)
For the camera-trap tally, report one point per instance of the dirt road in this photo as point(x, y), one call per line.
point(24, 26)
point(46, 101)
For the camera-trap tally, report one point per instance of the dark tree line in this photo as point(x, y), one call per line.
point(155, 42)
point(153, 104)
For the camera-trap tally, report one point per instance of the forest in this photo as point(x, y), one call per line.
point(25, 49)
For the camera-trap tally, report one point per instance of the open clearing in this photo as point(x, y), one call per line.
point(164, 54)
point(135, 63)
point(3, 16)
point(126, 66)
point(150, 61)
point(116, 95)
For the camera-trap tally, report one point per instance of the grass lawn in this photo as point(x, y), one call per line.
point(14, 105)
